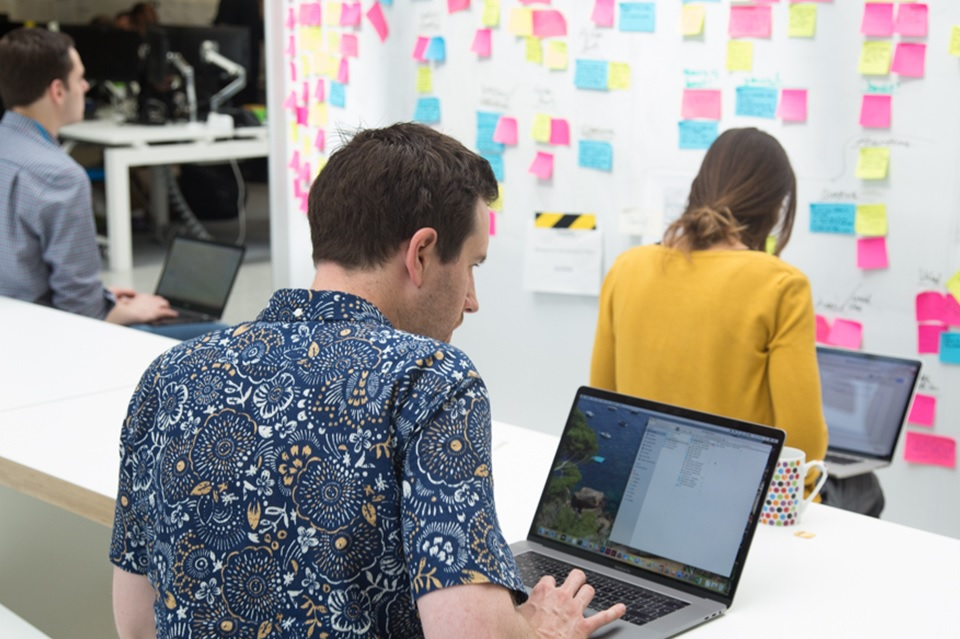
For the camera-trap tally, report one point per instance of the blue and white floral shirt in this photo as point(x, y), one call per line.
point(309, 474)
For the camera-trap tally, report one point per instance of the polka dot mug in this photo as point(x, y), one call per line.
point(784, 502)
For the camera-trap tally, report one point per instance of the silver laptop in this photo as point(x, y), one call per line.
point(197, 278)
point(865, 402)
point(657, 504)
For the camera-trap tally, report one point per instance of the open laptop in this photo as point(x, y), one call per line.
point(865, 402)
point(657, 504)
point(197, 278)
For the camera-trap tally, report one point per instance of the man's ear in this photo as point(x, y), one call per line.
point(419, 253)
point(57, 91)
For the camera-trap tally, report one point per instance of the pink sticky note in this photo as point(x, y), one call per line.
point(506, 131)
point(320, 91)
point(375, 16)
point(559, 131)
point(911, 20)
point(349, 46)
point(295, 161)
point(305, 92)
point(534, 1)
point(877, 19)
point(951, 313)
point(350, 14)
point(302, 113)
point(457, 5)
point(548, 23)
point(700, 103)
point(542, 165)
point(291, 19)
point(293, 71)
point(875, 111)
point(343, 74)
point(420, 49)
point(493, 223)
point(749, 21)
point(291, 101)
point(321, 140)
point(310, 14)
point(909, 59)
point(304, 197)
point(932, 450)
point(482, 43)
point(846, 333)
point(872, 253)
point(291, 49)
point(305, 172)
point(928, 338)
point(924, 410)
point(931, 307)
point(823, 330)
point(297, 189)
point(602, 15)
point(793, 105)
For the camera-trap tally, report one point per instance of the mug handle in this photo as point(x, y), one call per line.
point(816, 463)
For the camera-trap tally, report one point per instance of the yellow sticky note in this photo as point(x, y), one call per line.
point(692, 19)
point(871, 220)
point(318, 114)
point(521, 21)
point(771, 245)
point(331, 17)
point(333, 41)
point(739, 55)
point(541, 127)
point(556, 57)
point(321, 164)
point(803, 20)
point(294, 132)
point(424, 79)
point(491, 13)
point(310, 38)
point(953, 285)
point(305, 67)
point(618, 75)
point(873, 163)
point(534, 50)
point(875, 57)
point(955, 41)
point(306, 148)
point(497, 204)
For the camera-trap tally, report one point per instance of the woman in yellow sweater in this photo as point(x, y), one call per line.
point(708, 319)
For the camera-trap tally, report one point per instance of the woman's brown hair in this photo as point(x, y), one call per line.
point(744, 190)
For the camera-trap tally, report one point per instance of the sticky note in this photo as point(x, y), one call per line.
point(593, 154)
point(832, 218)
point(424, 80)
point(310, 14)
point(420, 49)
point(953, 285)
point(759, 102)
point(697, 134)
point(932, 450)
point(319, 92)
point(457, 5)
point(333, 14)
point(793, 105)
point(320, 142)
point(700, 103)
point(749, 21)
point(506, 131)
point(496, 164)
point(951, 313)
point(846, 333)
point(548, 23)
point(770, 245)
point(291, 101)
point(427, 111)
point(823, 329)
point(556, 55)
point(803, 20)
point(692, 19)
point(602, 14)
point(486, 127)
point(497, 204)
point(875, 57)
point(873, 163)
point(491, 13)
point(909, 59)
point(590, 74)
point(534, 50)
point(924, 410)
point(877, 19)
point(954, 48)
point(872, 253)
point(875, 111)
point(482, 43)
point(911, 20)
point(349, 46)
point(871, 220)
point(436, 50)
point(291, 19)
point(930, 307)
point(318, 114)
point(638, 17)
point(521, 21)
point(541, 127)
point(542, 165)
point(928, 338)
point(375, 16)
point(333, 42)
point(559, 131)
point(343, 74)
point(739, 55)
point(302, 115)
point(618, 75)
point(338, 94)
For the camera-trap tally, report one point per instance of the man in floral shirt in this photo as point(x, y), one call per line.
point(324, 471)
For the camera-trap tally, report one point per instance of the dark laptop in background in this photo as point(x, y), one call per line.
point(657, 504)
point(865, 402)
point(197, 278)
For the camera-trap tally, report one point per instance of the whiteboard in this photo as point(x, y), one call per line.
point(533, 349)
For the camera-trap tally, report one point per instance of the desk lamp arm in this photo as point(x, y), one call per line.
point(188, 80)
point(210, 55)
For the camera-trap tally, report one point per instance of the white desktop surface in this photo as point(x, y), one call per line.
point(13, 627)
point(112, 133)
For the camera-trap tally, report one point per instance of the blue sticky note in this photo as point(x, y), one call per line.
point(697, 134)
point(760, 102)
point(428, 110)
point(486, 125)
point(338, 94)
point(827, 217)
point(496, 163)
point(950, 348)
point(386, 3)
point(591, 74)
point(596, 155)
point(436, 50)
point(638, 16)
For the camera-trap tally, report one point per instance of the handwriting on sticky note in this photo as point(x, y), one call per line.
point(424, 80)
point(542, 165)
point(556, 55)
point(933, 450)
point(873, 163)
point(911, 20)
point(602, 14)
point(697, 134)
point(559, 131)
point(739, 55)
point(928, 338)
point(594, 154)
point(638, 17)
point(877, 19)
point(910, 59)
point(875, 57)
point(482, 43)
point(931, 306)
point(950, 348)
point(700, 103)
point(872, 253)
point(793, 105)
point(692, 20)
point(828, 217)
point(846, 333)
point(749, 21)
point(754, 101)
point(803, 20)
point(375, 16)
point(427, 111)
point(871, 220)
point(924, 410)
point(875, 111)
point(506, 131)
point(548, 23)
point(590, 74)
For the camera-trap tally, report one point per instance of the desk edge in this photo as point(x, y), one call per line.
point(80, 501)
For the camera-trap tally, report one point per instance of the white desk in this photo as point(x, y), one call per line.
point(13, 627)
point(128, 145)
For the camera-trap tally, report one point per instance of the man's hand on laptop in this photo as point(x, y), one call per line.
point(139, 308)
point(556, 612)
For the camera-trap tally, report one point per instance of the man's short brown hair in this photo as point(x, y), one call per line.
point(30, 59)
point(385, 184)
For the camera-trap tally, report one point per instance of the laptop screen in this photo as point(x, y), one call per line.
point(865, 399)
point(198, 275)
point(661, 489)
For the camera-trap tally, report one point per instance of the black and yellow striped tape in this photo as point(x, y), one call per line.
point(579, 221)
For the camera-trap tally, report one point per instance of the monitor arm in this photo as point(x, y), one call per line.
point(210, 54)
point(188, 80)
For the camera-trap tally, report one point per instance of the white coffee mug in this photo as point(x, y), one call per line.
point(785, 501)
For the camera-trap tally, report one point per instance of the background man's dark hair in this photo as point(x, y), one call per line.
point(385, 184)
point(30, 59)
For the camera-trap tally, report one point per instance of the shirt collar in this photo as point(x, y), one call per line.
point(27, 126)
point(305, 305)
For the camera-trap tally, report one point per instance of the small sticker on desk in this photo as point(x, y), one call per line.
point(804, 534)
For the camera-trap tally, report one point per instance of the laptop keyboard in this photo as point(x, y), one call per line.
point(643, 605)
point(837, 459)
